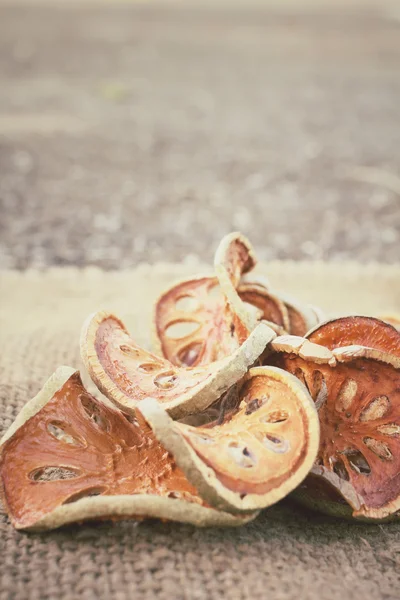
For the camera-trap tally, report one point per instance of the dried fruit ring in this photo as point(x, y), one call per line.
point(69, 458)
point(203, 319)
point(261, 451)
point(198, 321)
point(358, 400)
point(126, 373)
point(194, 324)
point(356, 330)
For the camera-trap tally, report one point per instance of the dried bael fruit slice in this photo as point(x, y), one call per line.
point(358, 401)
point(69, 458)
point(357, 331)
point(194, 324)
point(196, 320)
point(260, 452)
point(127, 374)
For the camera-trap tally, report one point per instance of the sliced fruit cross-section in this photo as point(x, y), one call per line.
point(201, 320)
point(195, 325)
point(358, 401)
point(367, 332)
point(70, 458)
point(261, 451)
point(127, 374)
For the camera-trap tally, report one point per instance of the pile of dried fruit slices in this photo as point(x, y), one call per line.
point(251, 396)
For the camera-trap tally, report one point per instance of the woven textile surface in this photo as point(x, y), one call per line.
point(144, 131)
point(286, 553)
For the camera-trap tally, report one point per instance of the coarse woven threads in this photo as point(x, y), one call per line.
point(288, 551)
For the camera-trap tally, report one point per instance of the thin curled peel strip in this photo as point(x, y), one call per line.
point(358, 402)
point(69, 458)
point(127, 374)
point(261, 451)
point(234, 258)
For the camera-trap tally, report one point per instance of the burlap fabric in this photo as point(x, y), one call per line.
point(287, 553)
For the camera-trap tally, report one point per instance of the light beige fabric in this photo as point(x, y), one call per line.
point(287, 553)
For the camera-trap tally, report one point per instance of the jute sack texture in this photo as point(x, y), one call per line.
point(286, 553)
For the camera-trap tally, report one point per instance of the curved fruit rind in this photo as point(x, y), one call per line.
point(349, 504)
point(204, 477)
point(293, 344)
point(392, 319)
point(215, 379)
point(335, 497)
point(33, 406)
point(145, 506)
point(349, 353)
point(258, 279)
point(157, 329)
point(358, 330)
point(358, 402)
point(110, 506)
point(235, 257)
point(320, 315)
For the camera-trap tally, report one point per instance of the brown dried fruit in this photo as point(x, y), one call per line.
point(200, 304)
point(260, 452)
point(358, 402)
point(70, 458)
point(127, 374)
point(355, 330)
point(197, 321)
